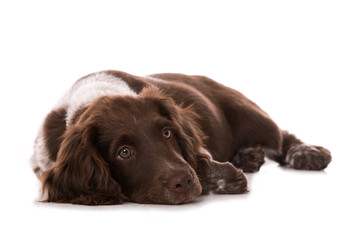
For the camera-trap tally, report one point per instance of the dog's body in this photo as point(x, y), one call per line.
point(163, 138)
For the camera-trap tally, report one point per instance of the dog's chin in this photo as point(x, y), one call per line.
point(174, 201)
point(183, 200)
point(168, 197)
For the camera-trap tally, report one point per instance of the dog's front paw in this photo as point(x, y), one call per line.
point(249, 159)
point(308, 157)
point(224, 178)
point(235, 185)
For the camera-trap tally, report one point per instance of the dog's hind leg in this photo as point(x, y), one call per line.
point(294, 153)
point(298, 155)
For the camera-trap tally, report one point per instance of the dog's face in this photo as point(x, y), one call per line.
point(142, 149)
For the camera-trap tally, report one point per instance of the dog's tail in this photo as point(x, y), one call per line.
point(296, 154)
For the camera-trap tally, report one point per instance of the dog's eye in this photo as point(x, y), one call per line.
point(167, 133)
point(124, 153)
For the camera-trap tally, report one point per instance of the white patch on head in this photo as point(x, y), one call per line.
point(87, 89)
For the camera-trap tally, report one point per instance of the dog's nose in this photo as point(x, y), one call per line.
point(180, 182)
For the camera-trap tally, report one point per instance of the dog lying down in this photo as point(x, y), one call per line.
point(163, 138)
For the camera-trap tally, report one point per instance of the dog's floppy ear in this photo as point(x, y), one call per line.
point(80, 175)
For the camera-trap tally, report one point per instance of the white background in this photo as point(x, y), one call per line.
point(299, 60)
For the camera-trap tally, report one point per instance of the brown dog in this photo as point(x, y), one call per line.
point(164, 138)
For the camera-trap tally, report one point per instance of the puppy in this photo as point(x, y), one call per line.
point(163, 138)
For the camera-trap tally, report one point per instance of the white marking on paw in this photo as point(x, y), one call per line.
point(221, 184)
point(299, 150)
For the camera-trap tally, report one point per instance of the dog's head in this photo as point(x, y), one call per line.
point(145, 149)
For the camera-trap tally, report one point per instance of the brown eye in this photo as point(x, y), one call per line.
point(124, 153)
point(167, 133)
